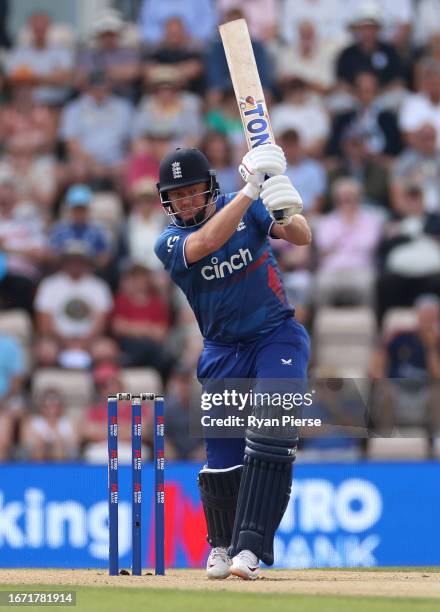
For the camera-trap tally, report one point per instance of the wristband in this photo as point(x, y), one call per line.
point(251, 191)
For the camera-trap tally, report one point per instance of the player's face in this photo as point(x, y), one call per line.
point(188, 201)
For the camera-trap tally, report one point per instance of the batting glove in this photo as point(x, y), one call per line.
point(281, 199)
point(264, 160)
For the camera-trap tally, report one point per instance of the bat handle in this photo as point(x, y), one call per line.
point(278, 215)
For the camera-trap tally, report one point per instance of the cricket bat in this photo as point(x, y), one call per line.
point(247, 86)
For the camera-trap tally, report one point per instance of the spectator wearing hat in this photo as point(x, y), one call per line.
point(168, 108)
point(141, 320)
point(409, 253)
point(144, 224)
point(199, 17)
point(96, 128)
point(23, 248)
point(50, 68)
point(369, 53)
point(72, 308)
point(178, 50)
point(78, 226)
point(22, 115)
point(121, 64)
point(377, 127)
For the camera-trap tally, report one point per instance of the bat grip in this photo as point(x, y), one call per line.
point(278, 215)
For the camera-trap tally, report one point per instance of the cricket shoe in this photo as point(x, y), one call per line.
point(245, 565)
point(219, 563)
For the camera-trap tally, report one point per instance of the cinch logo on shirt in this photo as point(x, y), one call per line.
point(219, 270)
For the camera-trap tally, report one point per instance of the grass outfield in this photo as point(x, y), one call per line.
point(116, 599)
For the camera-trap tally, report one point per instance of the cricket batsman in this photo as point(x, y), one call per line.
point(217, 251)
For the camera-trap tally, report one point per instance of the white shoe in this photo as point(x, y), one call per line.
point(245, 565)
point(219, 563)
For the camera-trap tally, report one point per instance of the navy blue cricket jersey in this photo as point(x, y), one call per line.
point(236, 292)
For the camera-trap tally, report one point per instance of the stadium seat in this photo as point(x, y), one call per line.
point(141, 380)
point(17, 323)
point(75, 386)
point(343, 339)
point(414, 448)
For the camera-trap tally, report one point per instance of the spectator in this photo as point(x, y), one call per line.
point(328, 17)
point(96, 128)
point(23, 248)
point(345, 241)
point(12, 371)
point(144, 224)
point(223, 118)
point(404, 367)
point(178, 50)
point(72, 309)
point(217, 72)
point(35, 174)
point(409, 253)
point(378, 128)
point(49, 67)
point(120, 64)
point(169, 109)
point(420, 164)
point(23, 115)
point(423, 107)
point(180, 400)
point(369, 53)
point(199, 17)
point(141, 320)
point(306, 174)
point(303, 112)
point(78, 226)
point(356, 162)
point(397, 18)
point(108, 381)
point(307, 58)
point(148, 151)
point(218, 150)
point(261, 16)
point(50, 435)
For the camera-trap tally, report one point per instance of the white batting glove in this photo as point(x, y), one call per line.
point(258, 162)
point(281, 199)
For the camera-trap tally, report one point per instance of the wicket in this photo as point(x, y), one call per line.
point(136, 474)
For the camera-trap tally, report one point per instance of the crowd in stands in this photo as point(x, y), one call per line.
point(85, 307)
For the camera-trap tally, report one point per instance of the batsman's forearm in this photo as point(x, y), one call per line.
point(297, 231)
point(219, 228)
